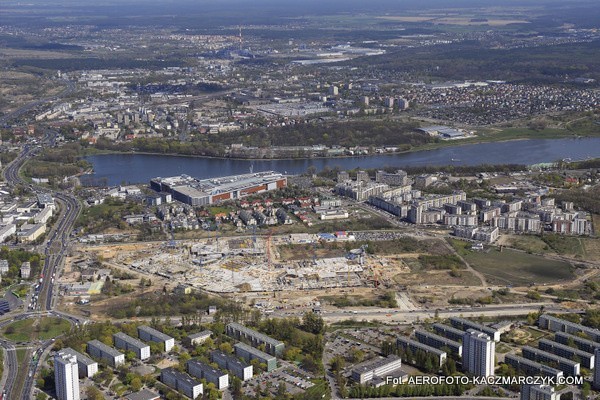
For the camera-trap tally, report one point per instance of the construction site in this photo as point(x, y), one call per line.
point(240, 264)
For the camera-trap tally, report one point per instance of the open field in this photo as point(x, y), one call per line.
point(527, 243)
point(293, 252)
point(567, 245)
point(461, 21)
point(591, 247)
point(32, 328)
point(519, 269)
point(442, 278)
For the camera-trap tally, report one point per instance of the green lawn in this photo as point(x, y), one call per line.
point(21, 353)
point(53, 327)
point(519, 269)
point(530, 243)
point(564, 244)
point(32, 328)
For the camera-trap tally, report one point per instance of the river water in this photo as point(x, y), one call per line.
point(114, 169)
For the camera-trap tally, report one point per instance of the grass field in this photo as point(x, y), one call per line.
point(566, 245)
point(21, 355)
point(32, 328)
point(519, 269)
point(528, 243)
point(591, 248)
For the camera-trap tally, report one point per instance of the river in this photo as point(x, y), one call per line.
point(114, 169)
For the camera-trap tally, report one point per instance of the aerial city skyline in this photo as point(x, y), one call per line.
point(299, 200)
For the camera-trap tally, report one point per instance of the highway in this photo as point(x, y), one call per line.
point(399, 316)
point(54, 249)
point(23, 109)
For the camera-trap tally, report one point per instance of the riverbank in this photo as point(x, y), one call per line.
point(116, 168)
point(509, 134)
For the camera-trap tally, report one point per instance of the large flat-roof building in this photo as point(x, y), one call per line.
point(530, 367)
point(183, 383)
point(194, 339)
point(377, 367)
point(596, 382)
point(414, 346)
point(465, 324)
point(563, 350)
point(66, 377)
point(152, 335)
point(439, 342)
point(232, 364)
point(97, 349)
point(560, 325)
point(87, 367)
point(589, 346)
point(568, 367)
point(245, 334)
point(538, 392)
point(449, 332)
point(479, 352)
point(197, 192)
point(127, 343)
point(250, 353)
point(200, 370)
point(144, 394)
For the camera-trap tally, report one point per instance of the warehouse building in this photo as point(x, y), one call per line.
point(240, 332)
point(152, 335)
point(97, 349)
point(249, 353)
point(202, 371)
point(127, 343)
point(232, 364)
point(86, 366)
point(181, 382)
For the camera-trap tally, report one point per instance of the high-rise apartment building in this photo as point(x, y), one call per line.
point(478, 353)
point(66, 377)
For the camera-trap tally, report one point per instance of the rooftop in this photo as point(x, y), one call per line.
point(154, 332)
point(254, 351)
point(80, 357)
point(104, 348)
point(375, 363)
point(214, 186)
point(260, 336)
point(130, 340)
point(200, 334)
point(144, 394)
point(180, 376)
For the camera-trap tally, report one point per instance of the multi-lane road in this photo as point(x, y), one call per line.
point(30, 106)
point(55, 249)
